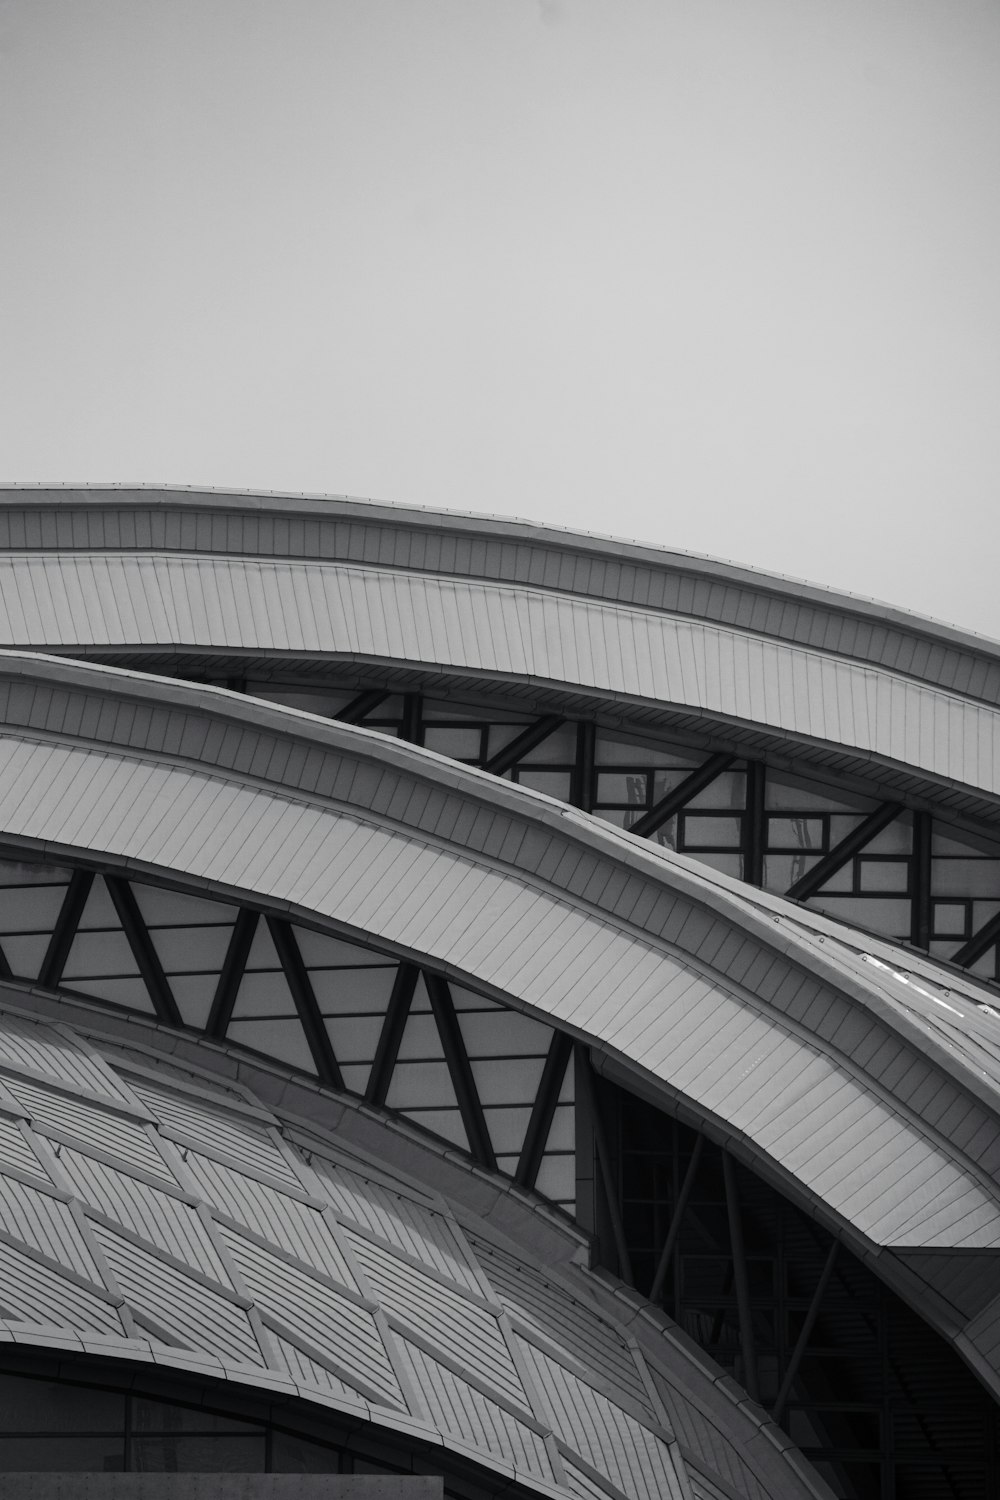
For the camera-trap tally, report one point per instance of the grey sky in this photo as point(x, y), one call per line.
point(719, 274)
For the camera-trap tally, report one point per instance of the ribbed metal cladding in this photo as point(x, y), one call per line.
point(387, 1312)
point(359, 613)
point(68, 521)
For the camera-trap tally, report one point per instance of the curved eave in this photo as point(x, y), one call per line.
point(769, 691)
point(652, 962)
point(113, 518)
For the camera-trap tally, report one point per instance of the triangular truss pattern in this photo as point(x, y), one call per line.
point(470, 1070)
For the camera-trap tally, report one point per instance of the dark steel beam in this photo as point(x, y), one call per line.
point(391, 1034)
point(460, 1069)
point(920, 901)
point(409, 729)
point(979, 943)
point(364, 703)
point(584, 778)
point(675, 800)
point(233, 966)
point(805, 1334)
point(673, 1233)
point(297, 975)
point(740, 1276)
point(838, 856)
point(146, 957)
point(754, 825)
point(543, 1109)
point(523, 744)
point(67, 922)
point(588, 1087)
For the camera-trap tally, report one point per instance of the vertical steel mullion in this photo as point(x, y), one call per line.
point(411, 727)
point(459, 1067)
point(740, 1276)
point(754, 825)
point(611, 1195)
point(920, 929)
point(584, 779)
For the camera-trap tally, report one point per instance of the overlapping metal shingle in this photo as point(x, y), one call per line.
point(111, 1251)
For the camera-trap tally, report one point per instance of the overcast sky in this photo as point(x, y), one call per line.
point(718, 274)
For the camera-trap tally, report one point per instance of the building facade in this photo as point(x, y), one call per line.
point(484, 1001)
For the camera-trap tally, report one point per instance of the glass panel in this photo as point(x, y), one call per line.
point(507, 1128)
point(162, 908)
point(446, 1123)
point(463, 999)
point(420, 1084)
point(557, 1179)
point(841, 880)
point(503, 1033)
point(666, 834)
point(263, 954)
point(459, 743)
point(716, 833)
point(552, 783)
point(950, 919)
point(799, 795)
point(191, 949)
point(131, 993)
point(264, 995)
point(562, 1136)
point(499, 736)
point(621, 786)
point(347, 990)
point(896, 839)
point(509, 1080)
point(26, 872)
point(166, 1416)
point(191, 1454)
point(294, 1455)
point(53, 1455)
point(31, 909)
point(781, 871)
point(558, 748)
point(40, 1405)
point(665, 782)
point(99, 909)
point(620, 750)
point(883, 875)
point(420, 1038)
point(965, 877)
point(354, 1038)
point(25, 954)
point(795, 833)
point(283, 1040)
point(99, 953)
point(321, 951)
point(729, 789)
point(194, 994)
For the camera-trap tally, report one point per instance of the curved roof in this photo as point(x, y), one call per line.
point(143, 575)
point(821, 1069)
point(154, 1213)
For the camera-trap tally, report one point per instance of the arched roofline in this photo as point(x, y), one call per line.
point(472, 545)
point(673, 924)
